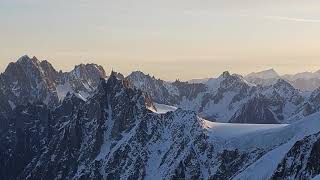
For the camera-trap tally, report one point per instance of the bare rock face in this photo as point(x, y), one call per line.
point(302, 161)
point(29, 80)
point(163, 92)
point(24, 138)
point(85, 78)
point(25, 81)
point(256, 111)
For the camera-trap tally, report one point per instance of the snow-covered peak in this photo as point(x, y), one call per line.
point(281, 88)
point(303, 75)
point(266, 74)
point(215, 83)
point(233, 81)
point(226, 75)
point(224, 80)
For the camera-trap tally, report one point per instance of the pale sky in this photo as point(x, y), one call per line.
point(170, 39)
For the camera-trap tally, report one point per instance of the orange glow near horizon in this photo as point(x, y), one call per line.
point(169, 39)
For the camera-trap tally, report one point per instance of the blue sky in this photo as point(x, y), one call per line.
point(170, 39)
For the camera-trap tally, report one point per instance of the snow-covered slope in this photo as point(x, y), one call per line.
point(196, 81)
point(303, 75)
point(160, 91)
point(222, 98)
point(284, 142)
point(233, 130)
point(162, 108)
point(267, 74)
point(228, 98)
point(267, 77)
point(306, 81)
point(114, 135)
point(306, 84)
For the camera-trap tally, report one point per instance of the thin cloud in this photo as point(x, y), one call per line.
point(282, 18)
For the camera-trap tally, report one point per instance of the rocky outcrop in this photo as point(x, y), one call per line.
point(163, 92)
point(29, 81)
point(302, 161)
point(256, 111)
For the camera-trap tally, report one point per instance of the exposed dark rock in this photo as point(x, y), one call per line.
point(302, 161)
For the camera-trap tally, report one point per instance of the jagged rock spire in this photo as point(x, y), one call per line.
point(225, 74)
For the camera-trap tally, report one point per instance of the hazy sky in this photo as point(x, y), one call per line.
point(168, 38)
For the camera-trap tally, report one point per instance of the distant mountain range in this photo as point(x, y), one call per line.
point(262, 97)
point(231, 98)
point(83, 124)
point(305, 81)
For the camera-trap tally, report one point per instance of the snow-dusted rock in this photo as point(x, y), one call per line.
point(114, 135)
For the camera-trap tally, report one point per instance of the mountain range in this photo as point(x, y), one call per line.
point(84, 124)
point(305, 81)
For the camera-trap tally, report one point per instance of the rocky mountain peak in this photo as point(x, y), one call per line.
point(46, 64)
point(116, 75)
point(23, 58)
point(138, 73)
point(50, 72)
point(282, 84)
point(266, 74)
point(26, 73)
point(115, 85)
point(112, 85)
point(26, 66)
point(225, 74)
point(231, 77)
point(140, 76)
point(30, 80)
point(315, 98)
point(113, 79)
point(255, 110)
point(85, 70)
point(233, 81)
point(26, 60)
